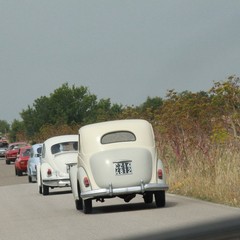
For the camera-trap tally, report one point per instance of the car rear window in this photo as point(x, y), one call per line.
point(120, 136)
point(64, 146)
point(26, 153)
point(3, 144)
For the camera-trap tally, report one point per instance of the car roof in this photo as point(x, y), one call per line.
point(90, 135)
point(26, 147)
point(16, 143)
point(116, 125)
point(61, 138)
point(37, 145)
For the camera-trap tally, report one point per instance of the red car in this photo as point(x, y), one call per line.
point(12, 151)
point(22, 160)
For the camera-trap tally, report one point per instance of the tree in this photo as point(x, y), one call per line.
point(104, 110)
point(64, 106)
point(4, 127)
point(17, 132)
point(226, 99)
point(152, 103)
point(184, 122)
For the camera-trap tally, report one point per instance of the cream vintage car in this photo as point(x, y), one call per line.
point(117, 159)
point(52, 172)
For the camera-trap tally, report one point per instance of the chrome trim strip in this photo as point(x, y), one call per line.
point(109, 192)
point(57, 183)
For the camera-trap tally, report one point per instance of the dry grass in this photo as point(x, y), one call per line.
point(215, 177)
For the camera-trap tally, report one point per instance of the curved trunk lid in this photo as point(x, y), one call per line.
point(122, 167)
point(60, 160)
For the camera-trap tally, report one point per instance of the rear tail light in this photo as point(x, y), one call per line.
point(160, 174)
point(86, 182)
point(49, 172)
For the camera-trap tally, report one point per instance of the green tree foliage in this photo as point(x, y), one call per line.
point(184, 121)
point(4, 127)
point(67, 106)
point(152, 103)
point(226, 99)
point(17, 132)
point(103, 111)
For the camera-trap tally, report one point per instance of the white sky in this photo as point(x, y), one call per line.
point(125, 50)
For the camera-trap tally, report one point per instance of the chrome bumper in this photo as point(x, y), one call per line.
point(57, 182)
point(111, 192)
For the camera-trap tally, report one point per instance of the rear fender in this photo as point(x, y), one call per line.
point(81, 174)
point(43, 170)
point(73, 179)
point(160, 166)
point(38, 176)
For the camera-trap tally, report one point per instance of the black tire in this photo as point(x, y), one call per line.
point(160, 199)
point(29, 179)
point(148, 197)
point(79, 204)
point(40, 189)
point(45, 190)
point(39, 181)
point(19, 172)
point(15, 171)
point(87, 206)
point(8, 161)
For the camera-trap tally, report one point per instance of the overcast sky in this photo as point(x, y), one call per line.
point(125, 50)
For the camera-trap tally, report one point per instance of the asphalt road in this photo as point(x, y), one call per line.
point(25, 214)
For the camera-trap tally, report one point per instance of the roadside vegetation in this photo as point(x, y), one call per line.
point(197, 134)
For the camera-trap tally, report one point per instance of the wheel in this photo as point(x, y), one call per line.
point(45, 190)
point(79, 204)
point(40, 189)
point(29, 176)
point(8, 161)
point(148, 197)
point(79, 201)
point(29, 179)
point(160, 198)
point(16, 171)
point(19, 172)
point(39, 182)
point(87, 206)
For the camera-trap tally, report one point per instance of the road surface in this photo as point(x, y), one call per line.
point(25, 214)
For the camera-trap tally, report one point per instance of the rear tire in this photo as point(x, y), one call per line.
point(8, 161)
point(45, 190)
point(79, 204)
point(148, 197)
point(87, 206)
point(19, 172)
point(40, 189)
point(79, 201)
point(160, 199)
point(29, 179)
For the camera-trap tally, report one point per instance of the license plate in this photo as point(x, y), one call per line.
point(123, 168)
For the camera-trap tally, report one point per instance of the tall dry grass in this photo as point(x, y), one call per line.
point(214, 177)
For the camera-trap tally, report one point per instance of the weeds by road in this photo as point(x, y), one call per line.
point(214, 177)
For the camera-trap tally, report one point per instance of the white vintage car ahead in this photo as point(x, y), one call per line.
point(117, 159)
point(56, 153)
point(33, 161)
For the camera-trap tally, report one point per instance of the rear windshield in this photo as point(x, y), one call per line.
point(4, 144)
point(26, 152)
point(121, 136)
point(64, 147)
